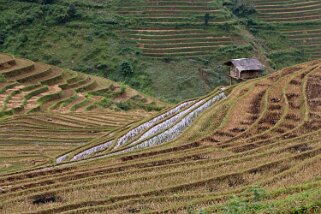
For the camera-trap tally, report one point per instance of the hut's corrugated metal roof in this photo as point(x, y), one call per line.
point(246, 64)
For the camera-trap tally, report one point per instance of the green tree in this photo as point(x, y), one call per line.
point(2, 38)
point(71, 11)
point(126, 69)
point(206, 18)
point(242, 8)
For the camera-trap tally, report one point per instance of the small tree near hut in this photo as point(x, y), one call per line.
point(206, 18)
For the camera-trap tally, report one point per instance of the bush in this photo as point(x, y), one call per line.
point(71, 11)
point(2, 38)
point(167, 58)
point(124, 106)
point(233, 51)
point(102, 67)
point(2, 78)
point(240, 8)
point(206, 18)
point(105, 103)
point(54, 61)
point(258, 193)
point(152, 107)
point(235, 206)
point(59, 14)
point(226, 27)
point(123, 88)
point(126, 69)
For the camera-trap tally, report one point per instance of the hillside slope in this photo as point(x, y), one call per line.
point(27, 86)
point(258, 141)
point(46, 110)
point(152, 38)
point(176, 29)
point(298, 21)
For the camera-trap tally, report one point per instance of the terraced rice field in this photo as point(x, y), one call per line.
point(173, 12)
point(300, 21)
point(33, 87)
point(193, 156)
point(288, 11)
point(176, 28)
point(46, 111)
point(307, 37)
point(34, 139)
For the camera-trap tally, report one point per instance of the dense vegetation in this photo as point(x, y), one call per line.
point(98, 37)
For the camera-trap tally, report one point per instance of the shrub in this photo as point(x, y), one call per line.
point(59, 14)
point(233, 51)
point(43, 199)
point(202, 212)
point(226, 27)
point(102, 66)
point(240, 8)
point(105, 103)
point(124, 106)
point(2, 38)
point(140, 81)
point(122, 88)
point(258, 193)
point(2, 78)
point(206, 18)
point(167, 58)
point(54, 61)
point(22, 38)
point(152, 107)
point(126, 69)
point(235, 206)
point(243, 10)
point(72, 11)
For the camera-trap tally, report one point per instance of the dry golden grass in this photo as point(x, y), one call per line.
point(195, 170)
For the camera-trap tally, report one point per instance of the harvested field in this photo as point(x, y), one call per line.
point(46, 111)
point(258, 141)
point(30, 140)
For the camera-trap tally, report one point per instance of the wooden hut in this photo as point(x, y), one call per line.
point(245, 68)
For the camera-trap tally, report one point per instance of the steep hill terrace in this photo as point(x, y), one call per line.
point(31, 87)
point(176, 28)
point(265, 134)
point(50, 111)
point(174, 12)
point(300, 21)
point(307, 37)
point(288, 11)
point(178, 42)
point(156, 131)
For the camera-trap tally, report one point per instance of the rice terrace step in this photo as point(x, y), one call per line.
point(160, 106)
